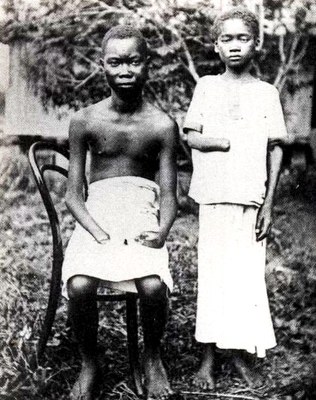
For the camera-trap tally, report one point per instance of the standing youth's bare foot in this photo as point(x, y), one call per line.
point(156, 381)
point(204, 378)
point(84, 386)
point(252, 377)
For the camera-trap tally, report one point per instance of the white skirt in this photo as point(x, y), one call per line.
point(232, 308)
point(124, 207)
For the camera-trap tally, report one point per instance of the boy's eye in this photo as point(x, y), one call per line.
point(225, 39)
point(135, 62)
point(114, 63)
point(244, 39)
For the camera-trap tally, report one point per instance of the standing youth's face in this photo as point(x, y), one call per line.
point(236, 44)
point(125, 65)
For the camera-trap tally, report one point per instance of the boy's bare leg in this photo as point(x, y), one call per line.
point(249, 374)
point(84, 316)
point(204, 378)
point(154, 312)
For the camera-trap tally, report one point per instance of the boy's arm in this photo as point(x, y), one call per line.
point(264, 218)
point(199, 142)
point(76, 174)
point(168, 188)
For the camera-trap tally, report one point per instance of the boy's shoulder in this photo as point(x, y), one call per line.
point(82, 119)
point(269, 88)
point(86, 113)
point(207, 79)
point(159, 118)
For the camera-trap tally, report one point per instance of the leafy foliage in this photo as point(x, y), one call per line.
point(63, 39)
point(64, 49)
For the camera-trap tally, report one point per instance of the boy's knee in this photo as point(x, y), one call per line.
point(81, 286)
point(152, 289)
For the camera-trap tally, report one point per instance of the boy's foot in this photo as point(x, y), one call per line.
point(84, 386)
point(252, 378)
point(204, 379)
point(156, 381)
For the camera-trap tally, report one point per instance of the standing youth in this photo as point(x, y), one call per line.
point(233, 125)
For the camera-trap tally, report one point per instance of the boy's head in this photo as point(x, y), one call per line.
point(241, 13)
point(124, 32)
point(236, 37)
point(124, 59)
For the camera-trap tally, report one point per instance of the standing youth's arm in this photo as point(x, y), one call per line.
point(202, 143)
point(264, 219)
point(76, 174)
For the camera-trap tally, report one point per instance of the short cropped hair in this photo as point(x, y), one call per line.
point(242, 13)
point(124, 32)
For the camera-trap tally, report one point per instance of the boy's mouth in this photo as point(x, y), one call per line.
point(126, 83)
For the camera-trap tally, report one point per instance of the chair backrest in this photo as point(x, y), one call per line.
point(39, 170)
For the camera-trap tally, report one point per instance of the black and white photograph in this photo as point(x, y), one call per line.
point(157, 199)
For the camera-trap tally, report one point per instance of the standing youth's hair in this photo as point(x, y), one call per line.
point(242, 13)
point(124, 32)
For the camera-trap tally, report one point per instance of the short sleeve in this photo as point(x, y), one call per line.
point(276, 124)
point(194, 117)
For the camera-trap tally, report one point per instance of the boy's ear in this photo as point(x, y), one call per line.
point(216, 47)
point(257, 44)
point(101, 62)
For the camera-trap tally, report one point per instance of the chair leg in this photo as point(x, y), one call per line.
point(55, 289)
point(132, 338)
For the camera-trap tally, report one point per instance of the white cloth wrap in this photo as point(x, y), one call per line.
point(232, 308)
point(124, 207)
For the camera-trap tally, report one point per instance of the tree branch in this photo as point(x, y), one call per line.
point(87, 79)
point(88, 60)
point(190, 66)
point(281, 48)
point(302, 52)
point(289, 63)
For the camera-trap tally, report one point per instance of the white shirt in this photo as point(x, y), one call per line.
point(245, 113)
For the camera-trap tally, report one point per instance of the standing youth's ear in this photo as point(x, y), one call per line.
point(257, 44)
point(216, 47)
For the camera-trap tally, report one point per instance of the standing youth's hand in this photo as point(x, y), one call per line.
point(103, 239)
point(264, 220)
point(151, 239)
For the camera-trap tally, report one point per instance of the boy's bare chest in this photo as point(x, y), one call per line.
point(115, 138)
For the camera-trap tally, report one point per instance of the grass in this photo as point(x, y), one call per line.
point(289, 369)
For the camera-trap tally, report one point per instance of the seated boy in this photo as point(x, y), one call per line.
point(121, 229)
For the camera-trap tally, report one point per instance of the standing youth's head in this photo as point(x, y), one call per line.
point(124, 59)
point(236, 37)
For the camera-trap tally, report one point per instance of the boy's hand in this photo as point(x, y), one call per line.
point(264, 220)
point(151, 239)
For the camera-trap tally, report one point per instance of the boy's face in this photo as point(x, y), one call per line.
point(236, 44)
point(125, 64)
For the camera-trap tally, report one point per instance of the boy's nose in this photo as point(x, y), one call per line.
point(125, 69)
point(235, 46)
point(235, 49)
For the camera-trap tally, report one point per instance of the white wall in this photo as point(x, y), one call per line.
point(24, 113)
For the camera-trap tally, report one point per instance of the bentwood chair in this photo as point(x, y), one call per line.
point(39, 168)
